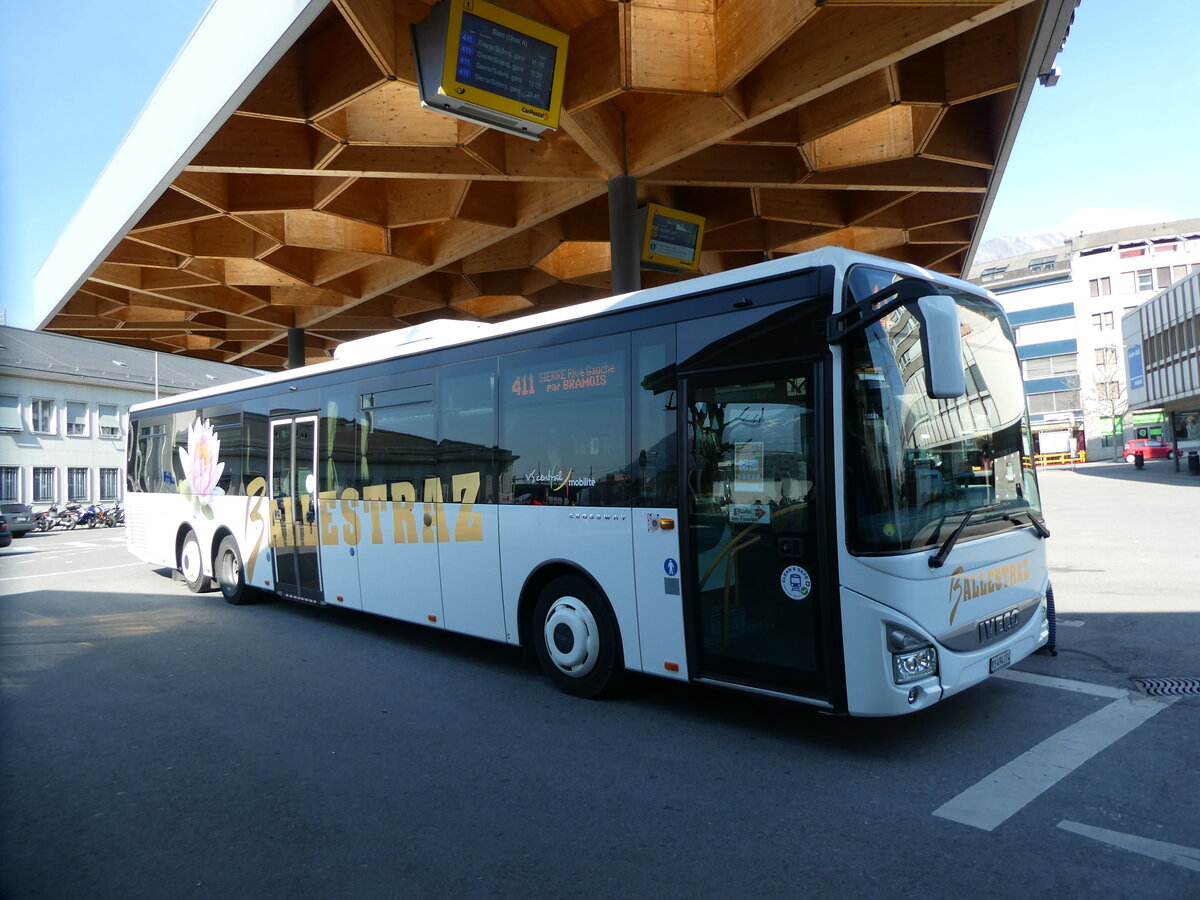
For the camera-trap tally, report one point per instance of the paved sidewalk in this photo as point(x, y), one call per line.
point(1125, 563)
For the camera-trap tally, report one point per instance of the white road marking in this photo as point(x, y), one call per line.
point(1071, 623)
point(1177, 854)
point(1064, 684)
point(993, 800)
point(76, 572)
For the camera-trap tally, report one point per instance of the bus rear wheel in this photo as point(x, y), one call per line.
point(231, 578)
point(191, 565)
point(575, 638)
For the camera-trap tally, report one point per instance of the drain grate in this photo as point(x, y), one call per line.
point(1169, 687)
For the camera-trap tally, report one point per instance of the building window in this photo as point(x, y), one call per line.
point(1108, 390)
point(109, 479)
point(10, 479)
point(1100, 287)
point(10, 413)
point(43, 416)
point(1041, 264)
point(1106, 356)
point(1141, 280)
point(1054, 401)
point(110, 421)
point(77, 418)
point(1162, 277)
point(1133, 251)
point(1050, 366)
point(1102, 321)
point(43, 484)
point(77, 483)
point(992, 273)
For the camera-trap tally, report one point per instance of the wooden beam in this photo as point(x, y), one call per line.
point(174, 208)
point(324, 231)
point(599, 132)
point(337, 68)
point(965, 134)
point(136, 253)
point(807, 206)
point(392, 114)
point(748, 31)
point(887, 135)
point(671, 49)
point(864, 97)
point(374, 24)
point(726, 165)
point(904, 175)
point(845, 43)
point(245, 143)
point(594, 62)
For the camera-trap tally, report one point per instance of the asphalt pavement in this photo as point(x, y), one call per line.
point(156, 743)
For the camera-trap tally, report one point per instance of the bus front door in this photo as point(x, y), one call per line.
point(756, 576)
point(295, 530)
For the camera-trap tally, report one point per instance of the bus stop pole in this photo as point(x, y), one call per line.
point(623, 234)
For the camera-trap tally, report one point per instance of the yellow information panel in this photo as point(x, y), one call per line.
point(671, 238)
point(503, 61)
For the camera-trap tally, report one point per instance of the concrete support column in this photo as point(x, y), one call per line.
point(295, 348)
point(623, 234)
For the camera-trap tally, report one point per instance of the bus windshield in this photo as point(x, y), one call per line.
point(916, 467)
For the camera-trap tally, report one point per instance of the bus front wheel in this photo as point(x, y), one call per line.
point(191, 565)
point(576, 638)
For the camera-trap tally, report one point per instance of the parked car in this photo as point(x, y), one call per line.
point(1150, 449)
point(5, 534)
point(21, 519)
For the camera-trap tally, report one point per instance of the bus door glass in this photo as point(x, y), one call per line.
point(294, 526)
point(757, 578)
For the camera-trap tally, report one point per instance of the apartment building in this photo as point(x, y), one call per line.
point(64, 411)
point(1067, 305)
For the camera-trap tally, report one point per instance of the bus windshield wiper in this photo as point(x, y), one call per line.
point(939, 559)
point(1038, 525)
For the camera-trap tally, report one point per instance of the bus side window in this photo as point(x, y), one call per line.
point(564, 424)
point(654, 450)
point(467, 431)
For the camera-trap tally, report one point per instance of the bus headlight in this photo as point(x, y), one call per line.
point(912, 657)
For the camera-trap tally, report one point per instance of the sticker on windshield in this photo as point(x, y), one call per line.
point(795, 582)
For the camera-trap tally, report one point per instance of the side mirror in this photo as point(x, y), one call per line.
point(941, 345)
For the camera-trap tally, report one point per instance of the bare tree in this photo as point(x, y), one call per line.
point(1107, 392)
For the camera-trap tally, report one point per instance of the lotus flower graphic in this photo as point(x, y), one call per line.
point(201, 470)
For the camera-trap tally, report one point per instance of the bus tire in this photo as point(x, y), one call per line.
point(230, 574)
point(575, 638)
point(191, 564)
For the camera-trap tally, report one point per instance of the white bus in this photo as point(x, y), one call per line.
point(810, 478)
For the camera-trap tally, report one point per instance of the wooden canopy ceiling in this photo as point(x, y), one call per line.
point(330, 201)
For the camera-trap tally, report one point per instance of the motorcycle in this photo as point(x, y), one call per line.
point(89, 516)
point(114, 516)
point(54, 516)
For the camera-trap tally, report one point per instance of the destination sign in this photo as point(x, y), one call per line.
point(505, 62)
point(564, 379)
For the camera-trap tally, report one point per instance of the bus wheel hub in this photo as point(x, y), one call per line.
point(571, 637)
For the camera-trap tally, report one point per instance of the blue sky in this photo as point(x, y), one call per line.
point(1115, 142)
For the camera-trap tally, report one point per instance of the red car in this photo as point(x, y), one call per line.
point(1150, 449)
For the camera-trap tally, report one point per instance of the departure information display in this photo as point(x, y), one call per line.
point(505, 62)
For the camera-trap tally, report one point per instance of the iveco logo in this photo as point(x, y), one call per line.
point(990, 629)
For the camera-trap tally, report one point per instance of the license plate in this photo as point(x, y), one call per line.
point(999, 661)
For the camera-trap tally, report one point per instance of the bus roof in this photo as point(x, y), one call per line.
point(449, 332)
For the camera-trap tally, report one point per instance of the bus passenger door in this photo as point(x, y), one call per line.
point(756, 580)
point(294, 527)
